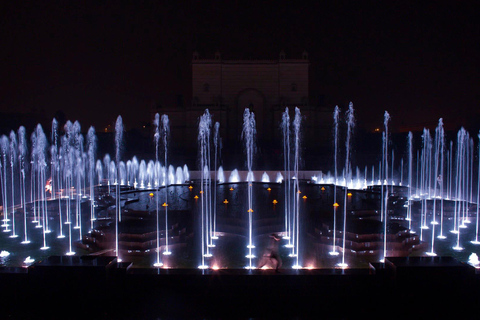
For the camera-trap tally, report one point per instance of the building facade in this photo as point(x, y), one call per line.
point(266, 87)
point(227, 87)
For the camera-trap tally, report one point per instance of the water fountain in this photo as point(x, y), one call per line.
point(233, 206)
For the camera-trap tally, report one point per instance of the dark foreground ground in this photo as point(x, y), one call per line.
point(100, 288)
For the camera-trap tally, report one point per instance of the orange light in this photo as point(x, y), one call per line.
point(151, 194)
point(269, 189)
point(275, 201)
point(231, 189)
point(249, 184)
point(299, 191)
point(190, 187)
point(201, 191)
point(322, 188)
point(250, 210)
point(225, 201)
point(165, 204)
point(215, 267)
point(304, 197)
point(336, 205)
point(349, 194)
point(196, 197)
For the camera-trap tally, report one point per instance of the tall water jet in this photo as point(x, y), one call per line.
point(438, 167)
point(165, 135)
point(67, 146)
point(204, 127)
point(156, 137)
point(54, 156)
point(217, 142)
point(384, 199)
point(336, 115)
point(460, 178)
point(248, 135)
point(79, 172)
point(42, 164)
point(55, 176)
point(4, 145)
point(425, 171)
point(410, 181)
point(118, 150)
point(92, 146)
point(13, 158)
point(478, 199)
point(296, 218)
point(286, 165)
point(441, 178)
point(22, 153)
point(350, 119)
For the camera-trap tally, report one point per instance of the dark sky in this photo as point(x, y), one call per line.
point(95, 60)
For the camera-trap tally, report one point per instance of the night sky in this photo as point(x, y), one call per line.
point(97, 60)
